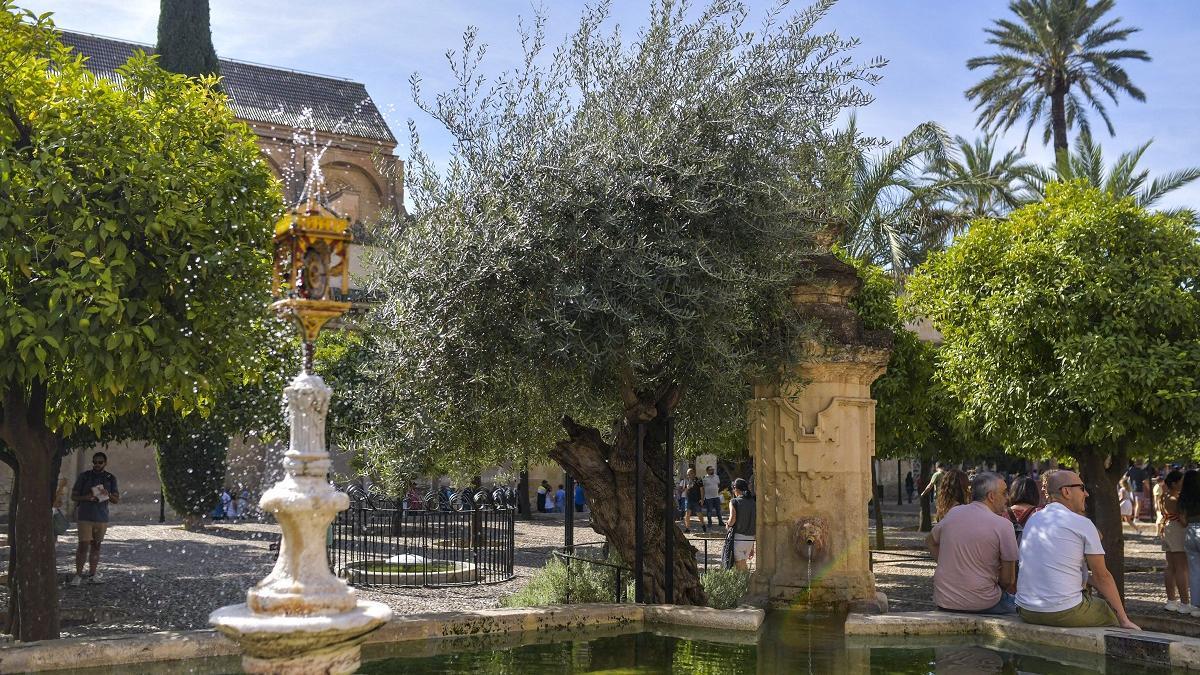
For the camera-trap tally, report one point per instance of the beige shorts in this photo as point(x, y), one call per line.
point(742, 549)
point(91, 531)
point(1173, 535)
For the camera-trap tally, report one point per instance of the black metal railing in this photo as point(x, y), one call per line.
point(378, 542)
point(621, 575)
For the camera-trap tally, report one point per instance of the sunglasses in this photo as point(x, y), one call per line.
point(1078, 485)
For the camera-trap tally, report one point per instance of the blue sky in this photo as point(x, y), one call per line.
point(927, 42)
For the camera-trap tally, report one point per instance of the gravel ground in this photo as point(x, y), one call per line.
point(162, 577)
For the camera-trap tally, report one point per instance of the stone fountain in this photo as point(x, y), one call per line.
point(813, 439)
point(301, 618)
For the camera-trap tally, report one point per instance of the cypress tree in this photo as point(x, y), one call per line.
point(185, 38)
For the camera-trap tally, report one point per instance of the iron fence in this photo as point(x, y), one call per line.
point(378, 542)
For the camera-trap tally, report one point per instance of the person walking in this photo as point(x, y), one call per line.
point(695, 497)
point(1189, 512)
point(1138, 479)
point(910, 487)
point(1174, 531)
point(976, 552)
point(1125, 497)
point(94, 490)
point(580, 502)
point(560, 499)
point(742, 523)
point(1058, 549)
point(543, 492)
point(712, 497)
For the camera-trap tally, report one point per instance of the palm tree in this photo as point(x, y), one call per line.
point(1123, 179)
point(1058, 51)
point(890, 203)
point(983, 183)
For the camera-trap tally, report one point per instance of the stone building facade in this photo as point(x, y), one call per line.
point(305, 124)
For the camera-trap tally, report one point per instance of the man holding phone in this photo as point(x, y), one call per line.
point(94, 490)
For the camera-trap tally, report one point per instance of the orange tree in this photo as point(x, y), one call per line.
point(135, 222)
point(1072, 328)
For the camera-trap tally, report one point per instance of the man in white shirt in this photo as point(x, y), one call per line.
point(976, 552)
point(712, 496)
point(1059, 545)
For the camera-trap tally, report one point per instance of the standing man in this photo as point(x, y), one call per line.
point(976, 552)
point(1059, 545)
point(712, 497)
point(94, 490)
point(695, 496)
point(933, 481)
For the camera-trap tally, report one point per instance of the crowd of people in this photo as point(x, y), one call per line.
point(1028, 547)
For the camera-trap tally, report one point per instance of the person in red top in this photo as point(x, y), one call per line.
point(1023, 498)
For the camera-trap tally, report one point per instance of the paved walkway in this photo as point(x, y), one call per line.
point(161, 577)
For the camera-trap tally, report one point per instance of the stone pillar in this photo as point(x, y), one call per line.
point(813, 438)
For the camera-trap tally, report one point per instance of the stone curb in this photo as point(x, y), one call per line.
point(1144, 646)
point(198, 644)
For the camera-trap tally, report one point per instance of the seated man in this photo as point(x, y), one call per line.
point(1058, 547)
point(976, 552)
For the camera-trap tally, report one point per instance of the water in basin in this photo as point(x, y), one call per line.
point(790, 643)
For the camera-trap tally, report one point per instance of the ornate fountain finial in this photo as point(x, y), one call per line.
point(312, 250)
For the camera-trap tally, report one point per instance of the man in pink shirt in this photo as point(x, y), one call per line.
point(976, 552)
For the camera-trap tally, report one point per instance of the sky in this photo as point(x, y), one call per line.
point(381, 43)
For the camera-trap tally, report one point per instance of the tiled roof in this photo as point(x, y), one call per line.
point(263, 94)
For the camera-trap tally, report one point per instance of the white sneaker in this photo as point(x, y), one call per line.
point(76, 580)
point(96, 579)
point(1186, 609)
point(1194, 611)
point(1173, 606)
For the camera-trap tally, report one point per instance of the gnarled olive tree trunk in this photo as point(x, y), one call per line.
point(608, 472)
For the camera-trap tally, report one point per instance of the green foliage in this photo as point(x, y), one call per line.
point(628, 216)
point(560, 582)
point(191, 466)
point(1065, 50)
point(185, 38)
point(914, 413)
point(1073, 323)
point(725, 588)
point(135, 224)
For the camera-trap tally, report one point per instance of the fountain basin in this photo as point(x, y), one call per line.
point(326, 643)
point(428, 572)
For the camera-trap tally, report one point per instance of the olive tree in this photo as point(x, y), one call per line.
point(1072, 327)
point(135, 222)
point(611, 244)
